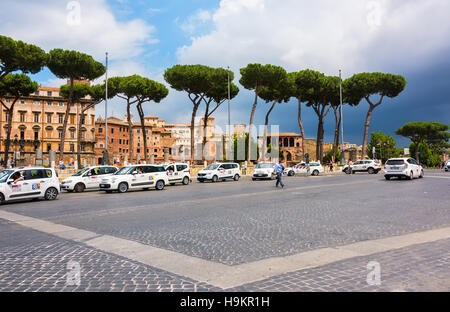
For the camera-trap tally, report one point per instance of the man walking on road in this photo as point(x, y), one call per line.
point(279, 171)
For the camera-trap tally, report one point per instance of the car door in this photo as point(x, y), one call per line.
point(182, 170)
point(139, 177)
point(34, 182)
point(92, 178)
point(415, 166)
point(221, 171)
point(18, 189)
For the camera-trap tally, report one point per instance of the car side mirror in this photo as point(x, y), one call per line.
point(134, 172)
point(9, 182)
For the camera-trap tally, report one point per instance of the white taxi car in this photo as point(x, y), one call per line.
point(220, 171)
point(370, 166)
point(87, 178)
point(264, 170)
point(134, 177)
point(447, 166)
point(178, 173)
point(403, 167)
point(28, 183)
point(314, 168)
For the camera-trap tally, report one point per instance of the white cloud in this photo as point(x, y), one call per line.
point(197, 21)
point(45, 23)
point(355, 35)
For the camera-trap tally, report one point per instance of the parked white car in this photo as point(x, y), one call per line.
point(369, 165)
point(315, 169)
point(87, 178)
point(264, 170)
point(403, 167)
point(28, 183)
point(447, 166)
point(178, 173)
point(220, 171)
point(134, 177)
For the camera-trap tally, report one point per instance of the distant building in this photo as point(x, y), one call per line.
point(159, 140)
point(38, 123)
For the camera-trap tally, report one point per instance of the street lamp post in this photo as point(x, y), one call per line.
point(342, 120)
point(229, 116)
point(105, 153)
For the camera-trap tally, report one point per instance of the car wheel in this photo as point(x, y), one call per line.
point(185, 180)
point(290, 173)
point(123, 187)
point(2, 199)
point(370, 171)
point(215, 178)
point(315, 173)
point(387, 177)
point(79, 188)
point(411, 176)
point(236, 177)
point(51, 193)
point(160, 185)
point(346, 171)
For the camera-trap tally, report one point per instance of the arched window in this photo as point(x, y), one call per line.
point(285, 142)
point(291, 142)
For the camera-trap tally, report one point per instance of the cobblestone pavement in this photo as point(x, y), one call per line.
point(34, 261)
point(424, 267)
point(236, 223)
point(236, 230)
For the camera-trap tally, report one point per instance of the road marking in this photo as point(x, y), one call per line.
point(221, 275)
point(437, 177)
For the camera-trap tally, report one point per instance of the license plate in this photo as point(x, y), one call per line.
point(395, 168)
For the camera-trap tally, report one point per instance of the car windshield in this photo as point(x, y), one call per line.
point(80, 172)
point(4, 174)
point(212, 167)
point(264, 165)
point(395, 162)
point(124, 170)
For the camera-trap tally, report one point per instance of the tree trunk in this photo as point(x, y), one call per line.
point(319, 144)
point(264, 147)
point(205, 125)
point(417, 151)
point(130, 132)
point(8, 134)
point(194, 113)
point(144, 134)
point(366, 131)
point(66, 118)
point(250, 126)
point(79, 138)
point(300, 123)
point(337, 118)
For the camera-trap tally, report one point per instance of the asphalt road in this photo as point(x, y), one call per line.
point(237, 223)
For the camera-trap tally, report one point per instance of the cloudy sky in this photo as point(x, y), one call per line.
point(410, 38)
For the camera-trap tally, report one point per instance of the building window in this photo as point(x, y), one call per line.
point(156, 150)
point(59, 147)
point(59, 135)
point(120, 141)
point(36, 135)
point(8, 100)
point(49, 93)
point(61, 104)
point(22, 101)
point(22, 117)
point(82, 120)
point(112, 130)
point(49, 147)
point(61, 118)
point(83, 148)
point(82, 135)
point(49, 103)
point(138, 150)
point(22, 134)
point(100, 130)
point(72, 147)
point(120, 150)
point(101, 145)
point(36, 117)
point(72, 134)
point(36, 92)
point(49, 118)
point(36, 103)
point(72, 119)
point(112, 140)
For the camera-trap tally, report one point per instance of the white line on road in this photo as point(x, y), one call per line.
point(218, 274)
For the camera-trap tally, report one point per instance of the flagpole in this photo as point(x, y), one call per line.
point(106, 157)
